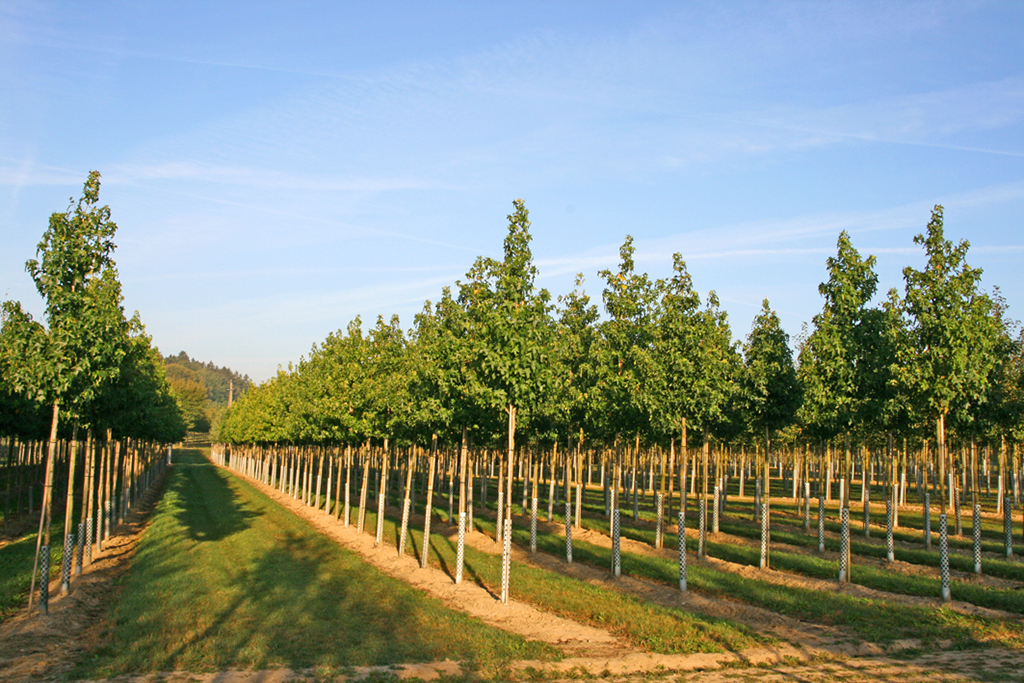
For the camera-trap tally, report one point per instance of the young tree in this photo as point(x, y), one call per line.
point(576, 339)
point(833, 365)
point(386, 397)
point(511, 327)
point(771, 392)
point(573, 395)
point(333, 379)
point(695, 367)
point(840, 361)
point(954, 333)
point(20, 415)
point(630, 299)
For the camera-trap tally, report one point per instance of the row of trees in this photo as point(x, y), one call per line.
point(89, 369)
point(497, 357)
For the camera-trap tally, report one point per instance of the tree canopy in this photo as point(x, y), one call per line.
point(656, 356)
point(87, 357)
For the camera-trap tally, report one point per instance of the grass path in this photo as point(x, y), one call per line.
point(226, 578)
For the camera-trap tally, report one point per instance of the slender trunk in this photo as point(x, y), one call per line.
point(319, 481)
point(410, 462)
point(424, 555)
point(44, 517)
point(90, 496)
point(364, 485)
point(684, 453)
point(69, 515)
point(940, 431)
point(765, 509)
point(507, 545)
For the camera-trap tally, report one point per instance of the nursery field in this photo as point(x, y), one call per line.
point(233, 579)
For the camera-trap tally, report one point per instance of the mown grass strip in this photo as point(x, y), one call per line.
point(1000, 568)
point(876, 621)
point(878, 578)
point(226, 578)
point(910, 531)
point(645, 625)
point(910, 516)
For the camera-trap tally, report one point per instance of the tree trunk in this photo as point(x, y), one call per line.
point(685, 456)
point(424, 555)
point(69, 512)
point(44, 517)
point(506, 554)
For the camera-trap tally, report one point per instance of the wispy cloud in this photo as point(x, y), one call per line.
point(931, 119)
point(262, 178)
point(20, 173)
point(776, 237)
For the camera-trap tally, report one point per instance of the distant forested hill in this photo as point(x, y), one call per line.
point(201, 391)
point(215, 379)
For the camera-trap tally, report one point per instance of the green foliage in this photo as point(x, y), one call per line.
point(695, 360)
point(385, 397)
point(845, 362)
point(86, 329)
point(770, 387)
point(1004, 411)
point(89, 359)
point(439, 361)
point(22, 344)
point(190, 393)
point(953, 328)
point(331, 384)
point(269, 413)
point(658, 357)
point(140, 403)
point(1009, 392)
point(626, 362)
point(510, 338)
point(573, 401)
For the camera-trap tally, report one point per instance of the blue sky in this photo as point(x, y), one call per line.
point(276, 169)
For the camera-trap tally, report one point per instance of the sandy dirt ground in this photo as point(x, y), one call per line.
point(34, 648)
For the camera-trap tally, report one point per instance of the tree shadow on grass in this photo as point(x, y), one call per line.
point(218, 510)
point(303, 605)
